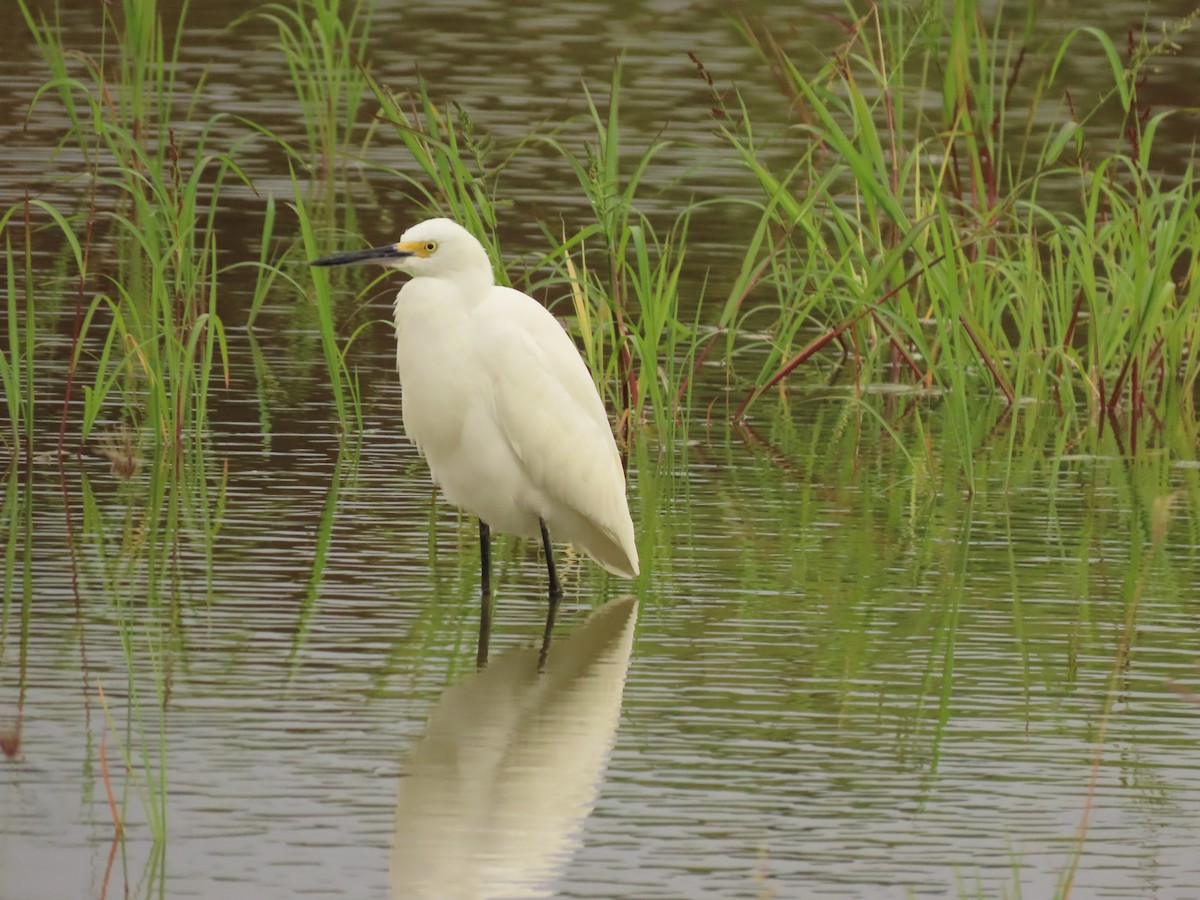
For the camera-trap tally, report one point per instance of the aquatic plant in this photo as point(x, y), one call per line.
point(19, 340)
point(343, 382)
point(159, 185)
point(624, 275)
point(324, 44)
point(458, 164)
point(945, 251)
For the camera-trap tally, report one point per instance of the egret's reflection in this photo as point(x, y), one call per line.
point(494, 794)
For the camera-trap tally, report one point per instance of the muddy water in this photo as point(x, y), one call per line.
point(833, 683)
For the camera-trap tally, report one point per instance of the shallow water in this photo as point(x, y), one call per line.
point(828, 694)
point(837, 683)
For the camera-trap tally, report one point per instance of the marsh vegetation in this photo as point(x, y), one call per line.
point(896, 315)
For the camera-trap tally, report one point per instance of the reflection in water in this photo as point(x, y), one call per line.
point(495, 791)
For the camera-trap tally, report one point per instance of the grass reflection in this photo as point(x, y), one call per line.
point(141, 558)
point(344, 470)
point(16, 605)
point(821, 532)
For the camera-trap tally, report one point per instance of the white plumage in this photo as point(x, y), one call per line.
point(499, 402)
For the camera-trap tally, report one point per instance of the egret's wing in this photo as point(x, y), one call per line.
point(551, 414)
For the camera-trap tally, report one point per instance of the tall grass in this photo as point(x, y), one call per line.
point(625, 273)
point(324, 45)
point(343, 382)
point(151, 170)
point(458, 169)
point(146, 342)
point(940, 246)
point(933, 228)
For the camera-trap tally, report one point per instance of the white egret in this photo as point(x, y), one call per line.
point(499, 402)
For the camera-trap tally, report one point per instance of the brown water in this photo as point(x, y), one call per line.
point(835, 683)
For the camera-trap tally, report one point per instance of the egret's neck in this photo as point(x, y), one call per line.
point(474, 284)
point(445, 298)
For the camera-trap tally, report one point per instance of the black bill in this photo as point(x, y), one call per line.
point(375, 254)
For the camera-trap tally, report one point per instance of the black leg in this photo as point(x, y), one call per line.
point(485, 594)
point(555, 596)
point(555, 587)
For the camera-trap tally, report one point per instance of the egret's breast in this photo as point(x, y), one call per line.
point(438, 377)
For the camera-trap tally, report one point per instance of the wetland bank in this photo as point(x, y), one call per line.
point(894, 307)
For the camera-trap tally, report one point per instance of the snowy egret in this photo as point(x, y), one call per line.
point(499, 402)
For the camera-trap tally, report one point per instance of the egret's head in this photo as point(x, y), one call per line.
point(439, 248)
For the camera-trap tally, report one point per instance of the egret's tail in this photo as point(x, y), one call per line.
point(616, 554)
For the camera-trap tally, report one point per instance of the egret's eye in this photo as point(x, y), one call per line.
point(430, 246)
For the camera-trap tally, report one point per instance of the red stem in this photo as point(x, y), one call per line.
point(824, 339)
point(987, 361)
